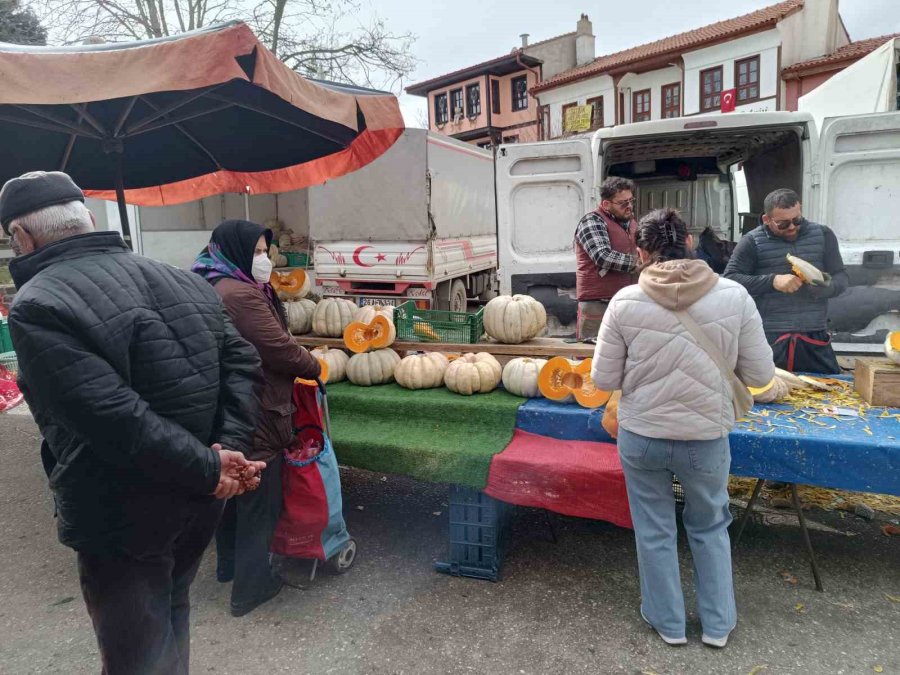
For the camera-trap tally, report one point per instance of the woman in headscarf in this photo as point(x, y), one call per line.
point(237, 264)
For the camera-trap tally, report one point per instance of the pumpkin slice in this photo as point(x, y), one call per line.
point(555, 380)
point(807, 272)
point(586, 392)
point(363, 337)
point(289, 285)
point(563, 380)
point(892, 346)
point(756, 391)
point(322, 375)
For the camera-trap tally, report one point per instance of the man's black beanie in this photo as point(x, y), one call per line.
point(34, 191)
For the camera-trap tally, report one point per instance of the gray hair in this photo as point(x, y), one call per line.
point(56, 222)
point(782, 198)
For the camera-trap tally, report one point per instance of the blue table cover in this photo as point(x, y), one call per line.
point(849, 454)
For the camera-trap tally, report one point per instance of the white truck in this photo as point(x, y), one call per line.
point(848, 176)
point(418, 223)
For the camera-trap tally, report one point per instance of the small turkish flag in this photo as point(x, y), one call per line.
point(728, 100)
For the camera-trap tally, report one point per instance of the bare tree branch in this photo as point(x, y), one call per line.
point(318, 38)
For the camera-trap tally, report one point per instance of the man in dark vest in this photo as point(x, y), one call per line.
point(605, 253)
point(794, 313)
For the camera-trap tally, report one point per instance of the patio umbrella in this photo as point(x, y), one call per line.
point(175, 119)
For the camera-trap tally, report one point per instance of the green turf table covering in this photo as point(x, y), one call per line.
point(431, 434)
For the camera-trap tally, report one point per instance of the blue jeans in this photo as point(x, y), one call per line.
point(702, 468)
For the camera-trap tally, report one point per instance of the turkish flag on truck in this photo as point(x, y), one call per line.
point(728, 100)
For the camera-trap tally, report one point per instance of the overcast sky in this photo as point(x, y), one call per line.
point(453, 34)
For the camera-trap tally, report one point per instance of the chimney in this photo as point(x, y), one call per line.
point(584, 41)
point(524, 37)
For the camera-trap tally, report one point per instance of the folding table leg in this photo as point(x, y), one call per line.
point(744, 518)
point(809, 549)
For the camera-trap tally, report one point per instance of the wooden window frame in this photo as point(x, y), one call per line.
point(437, 110)
point(718, 106)
point(662, 104)
point(649, 110)
point(462, 103)
point(473, 111)
point(594, 117)
point(515, 100)
point(495, 97)
point(737, 87)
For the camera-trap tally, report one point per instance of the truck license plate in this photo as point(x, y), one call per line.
point(387, 302)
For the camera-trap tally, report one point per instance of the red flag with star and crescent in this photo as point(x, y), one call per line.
point(729, 97)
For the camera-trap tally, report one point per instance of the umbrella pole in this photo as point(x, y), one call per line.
point(120, 198)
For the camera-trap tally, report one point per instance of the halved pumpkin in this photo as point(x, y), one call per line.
point(365, 337)
point(289, 285)
point(562, 380)
point(323, 375)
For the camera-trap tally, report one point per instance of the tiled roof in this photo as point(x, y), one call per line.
point(768, 16)
point(850, 52)
point(422, 88)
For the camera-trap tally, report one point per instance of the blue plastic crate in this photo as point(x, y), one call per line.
point(479, 534)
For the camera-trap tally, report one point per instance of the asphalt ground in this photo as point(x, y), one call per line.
point(564, 607)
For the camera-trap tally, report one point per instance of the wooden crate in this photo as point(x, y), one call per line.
point(877, 381)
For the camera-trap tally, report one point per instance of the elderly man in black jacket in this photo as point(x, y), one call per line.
point(138, 382)
point(794, 314)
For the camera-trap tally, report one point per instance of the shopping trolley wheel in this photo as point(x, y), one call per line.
point(343, 560)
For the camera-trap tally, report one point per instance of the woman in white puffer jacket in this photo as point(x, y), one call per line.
point(674, 418)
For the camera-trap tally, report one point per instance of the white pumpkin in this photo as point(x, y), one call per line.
point(514, 319)
point(299, 315)
point(372, 367)
point(336, 359)
point(421, 371)
point(473, 374)
point(892, 346)
point(366, 313)
point(332, 316)
point(520, 377)
point(284, 240)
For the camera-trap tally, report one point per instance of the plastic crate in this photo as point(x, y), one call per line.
point(9, 361)
point(430, 325)
point(479, 534)
point(6, 344)
point(296, 259)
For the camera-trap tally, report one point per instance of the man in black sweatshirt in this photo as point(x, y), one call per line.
point(794, 313)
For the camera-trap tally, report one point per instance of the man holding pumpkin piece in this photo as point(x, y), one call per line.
point(791, 267)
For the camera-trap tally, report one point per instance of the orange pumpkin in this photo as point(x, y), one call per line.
point(323, 375)
point(363, 337)
point(291, 285)
point(610, 420)
point(563, 380)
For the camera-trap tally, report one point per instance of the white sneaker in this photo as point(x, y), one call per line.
point(715, 642)
point(668, 640)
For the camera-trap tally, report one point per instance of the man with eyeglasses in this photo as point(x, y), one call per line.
point(605, 253)
point(794, 314)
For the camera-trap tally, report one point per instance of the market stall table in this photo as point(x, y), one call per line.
point(558, 457)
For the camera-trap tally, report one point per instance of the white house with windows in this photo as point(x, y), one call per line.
point(733, 63)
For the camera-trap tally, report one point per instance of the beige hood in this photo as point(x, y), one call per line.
point(677, 284)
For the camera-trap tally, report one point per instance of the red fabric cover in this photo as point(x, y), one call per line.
point(575, 478)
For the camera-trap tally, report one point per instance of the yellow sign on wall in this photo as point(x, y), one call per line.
point(578, 118)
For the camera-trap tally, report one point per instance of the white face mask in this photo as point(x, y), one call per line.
point(261, 268)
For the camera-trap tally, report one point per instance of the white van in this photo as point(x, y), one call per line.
point(848, 175)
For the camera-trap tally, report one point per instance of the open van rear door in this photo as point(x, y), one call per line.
point(543, 190)
point(857, 189)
